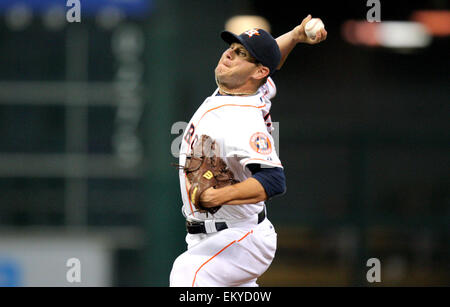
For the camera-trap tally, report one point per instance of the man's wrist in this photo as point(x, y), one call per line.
point(216, 197)
point(294, 38)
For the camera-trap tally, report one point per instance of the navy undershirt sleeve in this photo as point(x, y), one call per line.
point(272, 179)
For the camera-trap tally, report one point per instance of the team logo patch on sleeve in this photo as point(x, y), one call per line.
point(261, 143)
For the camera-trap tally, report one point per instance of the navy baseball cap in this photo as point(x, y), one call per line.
point(261, 45)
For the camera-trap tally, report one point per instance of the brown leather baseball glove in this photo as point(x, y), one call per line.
point(205, 169)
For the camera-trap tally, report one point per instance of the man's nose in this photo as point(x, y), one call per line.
point(229, 53)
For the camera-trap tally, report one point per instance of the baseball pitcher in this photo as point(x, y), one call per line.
point(229, 166)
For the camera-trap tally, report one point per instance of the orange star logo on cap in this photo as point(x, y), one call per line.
point(252, 32)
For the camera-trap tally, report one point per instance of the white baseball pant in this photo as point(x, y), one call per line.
point(229, 258)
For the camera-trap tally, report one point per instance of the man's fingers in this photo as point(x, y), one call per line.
point(308, 18)
point(318, 36)
point(323, 34)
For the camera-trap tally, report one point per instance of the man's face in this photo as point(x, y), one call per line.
point(235, 67)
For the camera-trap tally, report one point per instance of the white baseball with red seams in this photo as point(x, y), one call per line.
point(238, 255)
point(312, 26)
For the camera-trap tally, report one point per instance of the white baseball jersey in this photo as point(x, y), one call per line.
point(238, 255)
point(242, 127)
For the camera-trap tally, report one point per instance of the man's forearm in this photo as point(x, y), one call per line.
point(249, 191)
point(286, 43)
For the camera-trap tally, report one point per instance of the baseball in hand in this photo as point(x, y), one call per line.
point(313, 26)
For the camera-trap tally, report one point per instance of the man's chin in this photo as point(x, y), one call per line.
point(219, 70)
point(218, 77)
point(222, 78)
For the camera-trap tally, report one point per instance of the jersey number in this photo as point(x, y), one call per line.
point(189, 136)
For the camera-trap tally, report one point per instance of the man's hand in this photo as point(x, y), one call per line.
point(290, 39)
point(209, 198)
point(299, 35)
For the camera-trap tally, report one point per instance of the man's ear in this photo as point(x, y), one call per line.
point(261, 72)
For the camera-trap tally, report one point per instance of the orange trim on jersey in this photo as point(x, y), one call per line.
point(268, 80)
point(229, 105)
point(195, 276)
point(245, 236)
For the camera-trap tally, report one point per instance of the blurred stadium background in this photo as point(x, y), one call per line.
point(86, 123)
